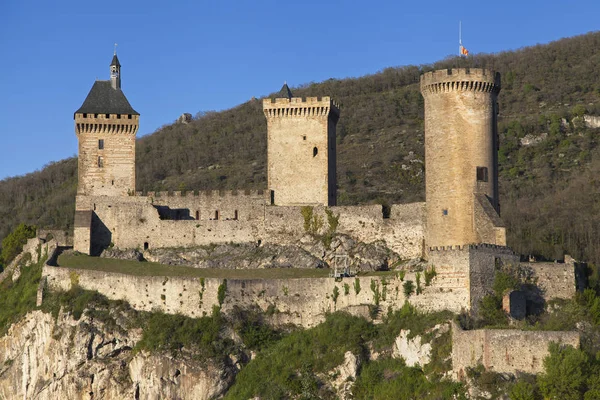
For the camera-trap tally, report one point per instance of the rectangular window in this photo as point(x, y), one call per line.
point(118, 116)
point(107, 115)
point(100, 162)
point(216, 214)
point(100, 144)
point(482, 174)
point(445, 211)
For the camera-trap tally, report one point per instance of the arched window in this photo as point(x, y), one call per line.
point(315, 151)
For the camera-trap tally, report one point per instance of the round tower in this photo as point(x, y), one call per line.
point(461, 156)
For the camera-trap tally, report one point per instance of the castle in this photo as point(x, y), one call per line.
point(458, 229)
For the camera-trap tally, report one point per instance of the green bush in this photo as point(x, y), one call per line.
point(409, 288)
point(565, 373)
point(13, 243)
point(221, 292)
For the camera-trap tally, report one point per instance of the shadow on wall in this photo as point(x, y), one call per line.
point(101, 236)
point(176, 214)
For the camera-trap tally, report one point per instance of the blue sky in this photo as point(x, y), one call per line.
point(190, 56)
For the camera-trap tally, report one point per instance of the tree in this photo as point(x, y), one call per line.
point(565, 373)
point(12, 244)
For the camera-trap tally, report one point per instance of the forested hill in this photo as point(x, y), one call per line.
point(549, 190)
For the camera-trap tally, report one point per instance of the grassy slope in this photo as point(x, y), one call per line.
point(549, 192)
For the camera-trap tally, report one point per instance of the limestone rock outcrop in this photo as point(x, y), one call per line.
point(46, 358)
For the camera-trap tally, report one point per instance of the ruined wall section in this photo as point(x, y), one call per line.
point(504, 351)
point(106, 161)
point(301, 150)
point(557, 280)
point(488, 225)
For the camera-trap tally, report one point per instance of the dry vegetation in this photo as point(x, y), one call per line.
point(549, 191)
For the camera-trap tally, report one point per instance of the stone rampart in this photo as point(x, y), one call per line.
point(301, 301)
point(504, 350)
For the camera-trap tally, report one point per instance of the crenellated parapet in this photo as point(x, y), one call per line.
point(460, 80)
point(127, 124)
point(300, 107)
point(478, 246)
point(203, 193)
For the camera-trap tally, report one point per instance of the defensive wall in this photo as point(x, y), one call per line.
point(301, 301)
point(556, 280)
point(469, 269)
point(175, 220)
point(504, 350)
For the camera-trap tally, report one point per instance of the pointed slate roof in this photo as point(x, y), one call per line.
point(103, 99)
point(115, 61)
point(285, 92)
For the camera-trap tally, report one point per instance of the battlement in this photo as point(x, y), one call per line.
point(106, 123)
point(478, 246)
point(300, 107)
point(460, 79)
point(203, 193)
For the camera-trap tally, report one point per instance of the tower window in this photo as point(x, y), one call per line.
point(118, 116)
point(304, 137)
point(107, 115)
point(235, 215)
point(482, 174)
point(445, 211)
point(272, 197)
point(84, 115)
point(197, 214)
point(315, 151)
point(100, 144)
point(128, 116)
point(216, 214)
point(100, 162)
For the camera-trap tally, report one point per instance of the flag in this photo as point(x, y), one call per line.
point(463, 51)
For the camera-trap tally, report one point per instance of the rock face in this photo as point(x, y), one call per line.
point(411, 350)
point(43, 358)
point(308, 253)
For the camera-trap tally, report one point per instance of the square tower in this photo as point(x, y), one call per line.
point(301, 149)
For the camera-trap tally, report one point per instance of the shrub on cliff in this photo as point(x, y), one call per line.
point(13, 243)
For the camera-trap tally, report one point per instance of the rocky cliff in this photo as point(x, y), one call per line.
point(46, 358)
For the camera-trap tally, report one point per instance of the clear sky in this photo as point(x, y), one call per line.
point(190, 56)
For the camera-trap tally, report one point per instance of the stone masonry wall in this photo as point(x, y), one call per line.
point(302, 301)
point(557, 280)
point(504, 350)
point(134, 221)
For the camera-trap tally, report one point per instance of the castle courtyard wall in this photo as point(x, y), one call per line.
point(136, 221)
point(556, 280)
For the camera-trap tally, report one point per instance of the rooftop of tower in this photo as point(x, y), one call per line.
point(285, 92)
point(104, 99)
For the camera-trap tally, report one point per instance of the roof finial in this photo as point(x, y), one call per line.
point(285, 82)
point(115, 49)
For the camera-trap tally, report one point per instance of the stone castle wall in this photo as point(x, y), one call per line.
point(504, 350)
point(301, 301)
point(170, 221)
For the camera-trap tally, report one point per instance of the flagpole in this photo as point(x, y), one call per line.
point(460, 38)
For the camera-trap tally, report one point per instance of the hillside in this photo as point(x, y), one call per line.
point(549, 191)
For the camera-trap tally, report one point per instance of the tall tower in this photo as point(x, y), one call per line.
point(301, 153)
point(461, 156)
point(106, 126)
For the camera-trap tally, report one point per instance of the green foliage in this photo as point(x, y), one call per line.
point(19, 297)
point(336, 293)
point(401, 274)
point(332, 221)
point(524, 391)
point(250, 325)
point(418, 279)
point(13, 243)
point(312, 222)
point(429, 275)
point(346, 289)
point(565, 370)
point(408, 288)
point(290, 367)
point(74, 277)
point(390, 378)
point(221, 292)
point(356, 286)
point(504, 282)
point(376, 292)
